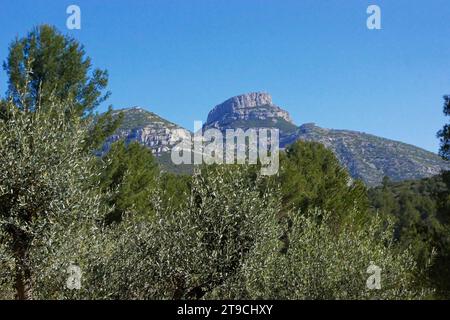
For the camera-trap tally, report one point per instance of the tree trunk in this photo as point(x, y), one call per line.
point(23, 284)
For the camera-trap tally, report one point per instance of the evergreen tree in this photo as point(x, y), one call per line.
point(421, 214)
point(175, 189)
point(130, 175)
point(46, 65)
point(383, 200)
point(311, 177)
point(444, 133)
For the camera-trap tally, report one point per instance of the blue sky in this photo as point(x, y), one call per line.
point(316, 57)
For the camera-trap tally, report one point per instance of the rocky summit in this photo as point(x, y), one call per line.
point(252, 110)
point(366, 157)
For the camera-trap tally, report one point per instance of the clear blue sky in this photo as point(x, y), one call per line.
point(316, 57)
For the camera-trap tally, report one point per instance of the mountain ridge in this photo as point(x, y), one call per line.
point(366, 156)
point(370, 158)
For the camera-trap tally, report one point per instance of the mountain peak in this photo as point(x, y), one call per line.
point(254, 109)
point(248, 100)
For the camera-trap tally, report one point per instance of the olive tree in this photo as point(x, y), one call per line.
point(323, 264)
point(194, 250)
point(46, 195)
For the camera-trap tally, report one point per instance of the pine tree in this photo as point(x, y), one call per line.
point(311, 177)
point(46, 65)
point(130, 175)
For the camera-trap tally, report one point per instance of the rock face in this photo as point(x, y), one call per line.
point(252, 110)
point(149, 129)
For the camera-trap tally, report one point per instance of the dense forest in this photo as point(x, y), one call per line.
point(421, 210)
point(225, 232)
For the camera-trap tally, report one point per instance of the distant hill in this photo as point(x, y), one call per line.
point(149, 129)
point(370, 158)
point(152, 131)
point(367, 157)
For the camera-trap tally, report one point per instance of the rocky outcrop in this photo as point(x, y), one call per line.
point(254, 109)
point(147, 128)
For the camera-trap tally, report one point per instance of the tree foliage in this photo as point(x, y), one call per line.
point(421, 212)
point(59, 69)
point(444, 133)
point(130, 174)
point(46, 66)
point(311, 177)
point(46, 191)
point(187, 253)
point(323, 264)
